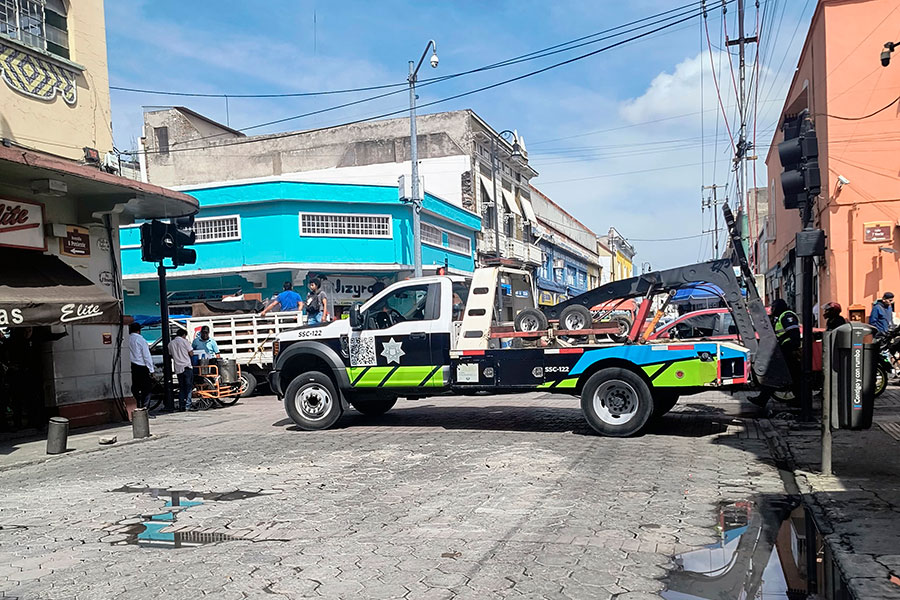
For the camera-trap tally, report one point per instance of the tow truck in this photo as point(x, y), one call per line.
point(444, 335)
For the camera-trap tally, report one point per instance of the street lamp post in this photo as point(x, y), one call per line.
point(414, 155)
point(516, 153)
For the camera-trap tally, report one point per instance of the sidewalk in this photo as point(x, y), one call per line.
point(858, 509)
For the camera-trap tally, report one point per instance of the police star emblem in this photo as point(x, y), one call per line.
point(393, 351)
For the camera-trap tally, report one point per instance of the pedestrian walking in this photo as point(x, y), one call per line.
point(181, 352)
point(832, 314)
point(141, 365)
point(288, 300)
point(787, 332)
point(204, 346)
point(882, 316)
point(316, 304)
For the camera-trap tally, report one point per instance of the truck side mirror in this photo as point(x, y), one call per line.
point(356, 321)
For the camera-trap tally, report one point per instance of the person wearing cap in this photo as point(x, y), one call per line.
point(832, 314)
point(882, 316)
point(204, 346)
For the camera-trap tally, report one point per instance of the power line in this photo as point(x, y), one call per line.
point(533, 55)
point(880, 110)
point(462, 94)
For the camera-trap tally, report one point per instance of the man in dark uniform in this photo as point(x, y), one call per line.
point(787, 331)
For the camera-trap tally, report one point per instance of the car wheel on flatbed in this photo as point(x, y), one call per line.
point(616, 402)
point(312, 401)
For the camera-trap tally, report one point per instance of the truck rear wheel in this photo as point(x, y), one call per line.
point(373, 406)
point(248, 384)
point(616, 402)
point(575, 317)
point(312, 402)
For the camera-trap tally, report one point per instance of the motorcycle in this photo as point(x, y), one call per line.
point(888, 350)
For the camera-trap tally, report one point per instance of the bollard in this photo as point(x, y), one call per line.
point(57, 435)
point(140, 423)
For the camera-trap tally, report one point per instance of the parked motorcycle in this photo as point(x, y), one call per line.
point(888, 349)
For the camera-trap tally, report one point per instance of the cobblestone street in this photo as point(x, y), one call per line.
point(482, 497)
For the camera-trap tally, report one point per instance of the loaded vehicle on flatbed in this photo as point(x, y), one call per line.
point(442, 335)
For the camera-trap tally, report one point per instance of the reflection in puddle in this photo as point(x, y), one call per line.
point(147, 531)
point(761, 554)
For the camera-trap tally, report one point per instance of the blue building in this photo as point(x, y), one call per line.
point(253, 236)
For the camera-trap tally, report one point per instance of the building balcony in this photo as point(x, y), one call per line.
point(527, 253)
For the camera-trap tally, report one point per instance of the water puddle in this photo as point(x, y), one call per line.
point(761, 554)
point(147, 530)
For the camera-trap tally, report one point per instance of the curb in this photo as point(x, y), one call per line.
point(49, 457)
point(782, 453)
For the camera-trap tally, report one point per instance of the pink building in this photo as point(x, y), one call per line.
point(849, 95)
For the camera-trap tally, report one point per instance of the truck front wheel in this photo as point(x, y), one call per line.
point(616, 402)
point(312, 401)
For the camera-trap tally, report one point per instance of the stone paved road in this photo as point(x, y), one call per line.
point(484, 497)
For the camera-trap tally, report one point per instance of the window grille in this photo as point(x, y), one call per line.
point(218, 229)
point(36, 23)
point(343, 225)
point(435, 236)
point(432, 235)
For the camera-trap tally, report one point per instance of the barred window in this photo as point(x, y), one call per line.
point(435, 236)
point(432, 235)
point(459, 243)
point(36, 23)
point(218, 229)
point(341, 225)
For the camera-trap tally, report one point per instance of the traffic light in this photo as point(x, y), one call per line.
point(161, 240)
point(152, 235)
point(799, 153)
point(183, 234)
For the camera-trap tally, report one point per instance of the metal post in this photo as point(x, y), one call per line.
point(414, 158)
point(826, 403)
point(806, 322)
point(140, 423)
point(168, 403)
point(57, 435)
point(496, 199)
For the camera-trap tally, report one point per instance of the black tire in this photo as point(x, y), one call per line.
point(624, 324)
point(373, 406)
point(663, 402)
point(248, 384)
point(312, 402)
point(616, 402)
point(575, 317)
point(881, 379)
point(531, 319)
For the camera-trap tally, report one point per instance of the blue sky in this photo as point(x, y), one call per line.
point(585, 124)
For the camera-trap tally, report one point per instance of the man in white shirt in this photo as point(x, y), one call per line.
point(141, 365)
point(180, 350)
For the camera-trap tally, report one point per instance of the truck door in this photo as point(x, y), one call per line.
point(394, 348)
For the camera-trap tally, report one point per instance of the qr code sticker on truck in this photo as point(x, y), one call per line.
point(362, 351)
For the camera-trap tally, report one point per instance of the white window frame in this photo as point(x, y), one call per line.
point(219, 218)
point(390, 225)
point(447, 246)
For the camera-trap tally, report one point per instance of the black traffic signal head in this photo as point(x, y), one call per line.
point(152, 241)
point(799, 153)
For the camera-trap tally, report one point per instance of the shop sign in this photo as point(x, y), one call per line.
point(878, 233)
point(76, 243)
point(22, 224)
point(349, 289)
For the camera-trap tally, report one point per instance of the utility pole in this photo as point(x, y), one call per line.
point(713, 204)
point(416, 199)
point(740, 157)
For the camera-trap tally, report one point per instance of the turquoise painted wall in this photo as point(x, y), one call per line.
point(270, 234)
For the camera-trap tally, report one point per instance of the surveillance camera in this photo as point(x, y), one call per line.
point(886, 53)
point(434, 60)
point(843, 180)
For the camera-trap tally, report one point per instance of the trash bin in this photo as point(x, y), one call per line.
point(850, 364)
